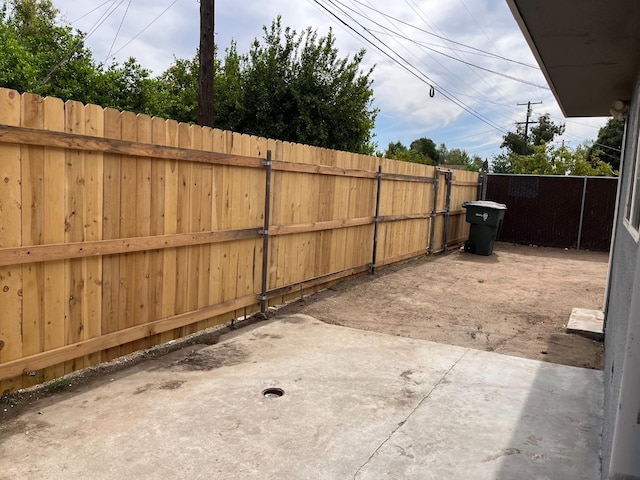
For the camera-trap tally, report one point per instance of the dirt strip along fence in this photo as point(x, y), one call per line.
point(121, 231)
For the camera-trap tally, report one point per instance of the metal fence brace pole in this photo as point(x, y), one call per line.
point(447, 209)
point(584, 198)
point(265, 233)
point(434, 212)
point(482, 178)
point(376, 220)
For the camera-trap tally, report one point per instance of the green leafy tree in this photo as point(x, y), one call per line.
point(398, 151)
point(608, 145)
point(229, 89)
point(125, 87)
point(38, 55)
point(394, 149)
point(297, 88)
point(546, 160)
point(176, 91)
point(292, 87)
point(456, 156)
point(544, 131)
point(427, 148)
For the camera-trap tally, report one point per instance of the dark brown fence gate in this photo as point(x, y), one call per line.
point(555, 211)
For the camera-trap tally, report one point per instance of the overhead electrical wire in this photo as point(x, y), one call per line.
point(91, 11)
point(424, 17)
point(441, 37)
point(436, 45)
point(81, 40)
point(398, 59)
point(118, 31)
point(495, 47)
point(145, 28)
point(607, 146)
point(421, 60)
point(458, 59)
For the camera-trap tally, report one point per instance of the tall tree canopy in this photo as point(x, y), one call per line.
point(295, 87)
point(543, 131)
point(290, 86)
point(538, 157)
point(423, 150)
point(40, 56)
point(608, 145)
point(426, 147)
point(546, 160)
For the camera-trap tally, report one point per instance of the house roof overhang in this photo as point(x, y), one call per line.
point(589, 50)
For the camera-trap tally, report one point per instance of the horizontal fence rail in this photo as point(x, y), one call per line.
point(121, 231)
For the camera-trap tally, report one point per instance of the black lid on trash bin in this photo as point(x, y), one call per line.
point(485, 204)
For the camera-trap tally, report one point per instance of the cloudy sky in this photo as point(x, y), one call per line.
point(471, 51)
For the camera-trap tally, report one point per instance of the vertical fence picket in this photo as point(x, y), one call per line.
point(93, 195)
point(10, 236)
point(32, 116)
point(206, 206)
point(170, 255)
point(128, 208)
point(75, 328)
point(111, 205)
point(140, 273)
point(156, 226)
point(55, 298)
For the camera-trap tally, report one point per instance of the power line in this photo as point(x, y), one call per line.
point(442, 65)
point(404, 66)
point(117, 32)
point(607, 146)
point(483, 30)
point(91, 11)
point(492, 86)
point(441, 37)
point(80, 41)
point(145, 28)
point(456, 58)
point(421, 14)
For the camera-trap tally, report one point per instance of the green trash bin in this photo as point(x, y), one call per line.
point(485, 218)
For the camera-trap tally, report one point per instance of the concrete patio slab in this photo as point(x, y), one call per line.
point(357, 404)
point(586, 322)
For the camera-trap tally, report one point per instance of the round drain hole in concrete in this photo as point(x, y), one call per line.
point(272, 393)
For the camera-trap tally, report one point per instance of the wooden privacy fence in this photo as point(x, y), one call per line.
point(121, 231)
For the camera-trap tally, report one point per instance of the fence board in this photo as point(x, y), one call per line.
point(123, 231)
point(92, 230)
point(55, 297)
point(32, 116)
point(170, 255)
point(10, 235)
point(111, 230)
point(156, 226)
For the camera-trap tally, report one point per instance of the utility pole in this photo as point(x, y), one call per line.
point(528, 120)
point(207, 57)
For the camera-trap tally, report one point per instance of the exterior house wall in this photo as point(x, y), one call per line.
point(622, 338)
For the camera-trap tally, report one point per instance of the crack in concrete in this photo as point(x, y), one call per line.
point(400, 424)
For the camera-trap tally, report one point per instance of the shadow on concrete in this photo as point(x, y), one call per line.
point(558, 432)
